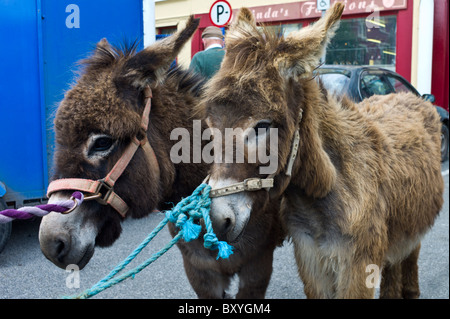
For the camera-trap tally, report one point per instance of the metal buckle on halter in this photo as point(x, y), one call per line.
point(102, 193)
point(252, 184)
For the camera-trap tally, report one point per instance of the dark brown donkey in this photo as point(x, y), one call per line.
point(97, 123)
point(360, 184)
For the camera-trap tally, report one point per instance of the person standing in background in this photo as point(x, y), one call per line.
point(207, 62)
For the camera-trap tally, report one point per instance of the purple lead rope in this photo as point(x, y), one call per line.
point(27, 212)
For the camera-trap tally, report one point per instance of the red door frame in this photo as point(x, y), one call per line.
point(404, 41)
point(440, 79)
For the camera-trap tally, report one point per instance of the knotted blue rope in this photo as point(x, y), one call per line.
point(183, 215)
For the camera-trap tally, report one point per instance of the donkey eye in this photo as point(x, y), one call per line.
point(262, 127)
point(102, 144)
point(258, 132)
point(99, 146)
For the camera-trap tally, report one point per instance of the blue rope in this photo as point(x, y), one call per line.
point(183, 215)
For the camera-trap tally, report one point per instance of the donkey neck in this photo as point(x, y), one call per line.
point(334, 135)
point(173, 108)
point(314, 171)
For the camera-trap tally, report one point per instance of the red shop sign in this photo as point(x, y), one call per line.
point(308, 9)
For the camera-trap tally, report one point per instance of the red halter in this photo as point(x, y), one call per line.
point(102, 190)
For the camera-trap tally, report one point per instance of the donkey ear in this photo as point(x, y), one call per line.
point(301, 51)
point(103, 56)
point(243, 25)
point(245, 16)
point(151, 64)
point(103, 44)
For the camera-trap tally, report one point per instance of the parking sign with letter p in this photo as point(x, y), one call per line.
point(220, 13)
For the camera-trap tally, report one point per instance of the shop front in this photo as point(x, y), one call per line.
point(381, 33)
point(372, 32)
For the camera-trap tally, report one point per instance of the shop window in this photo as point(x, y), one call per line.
point(285, 29)
point(361, 41)
point(165, 31)
point(288, 28)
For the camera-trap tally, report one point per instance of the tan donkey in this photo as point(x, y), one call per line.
point(360, 184)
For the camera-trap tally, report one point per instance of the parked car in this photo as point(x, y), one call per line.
point(359, 83)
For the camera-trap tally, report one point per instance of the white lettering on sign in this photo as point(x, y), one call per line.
point(73, 19)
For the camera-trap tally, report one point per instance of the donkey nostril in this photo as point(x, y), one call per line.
point(227, 225)
point(60, 249)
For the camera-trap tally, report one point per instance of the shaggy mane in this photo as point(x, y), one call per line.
point(187, 81)
point(249, 56)
point(250, 48)
point(106, 55)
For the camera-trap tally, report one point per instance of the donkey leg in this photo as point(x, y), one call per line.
point(358, 272)
point(410, 275)
point(317, 281)
point(315, 288)
point(254, 276)
point(353, 281)
point(391, 281)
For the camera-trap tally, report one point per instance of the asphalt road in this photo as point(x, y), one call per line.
point(26, 273)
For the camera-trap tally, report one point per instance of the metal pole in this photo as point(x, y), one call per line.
point(148, 15)
point(324, 55)
point(425, 46)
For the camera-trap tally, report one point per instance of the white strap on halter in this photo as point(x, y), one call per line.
point(294, 151)
point(249, 184)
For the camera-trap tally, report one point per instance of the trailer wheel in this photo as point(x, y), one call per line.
point(5, 229)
